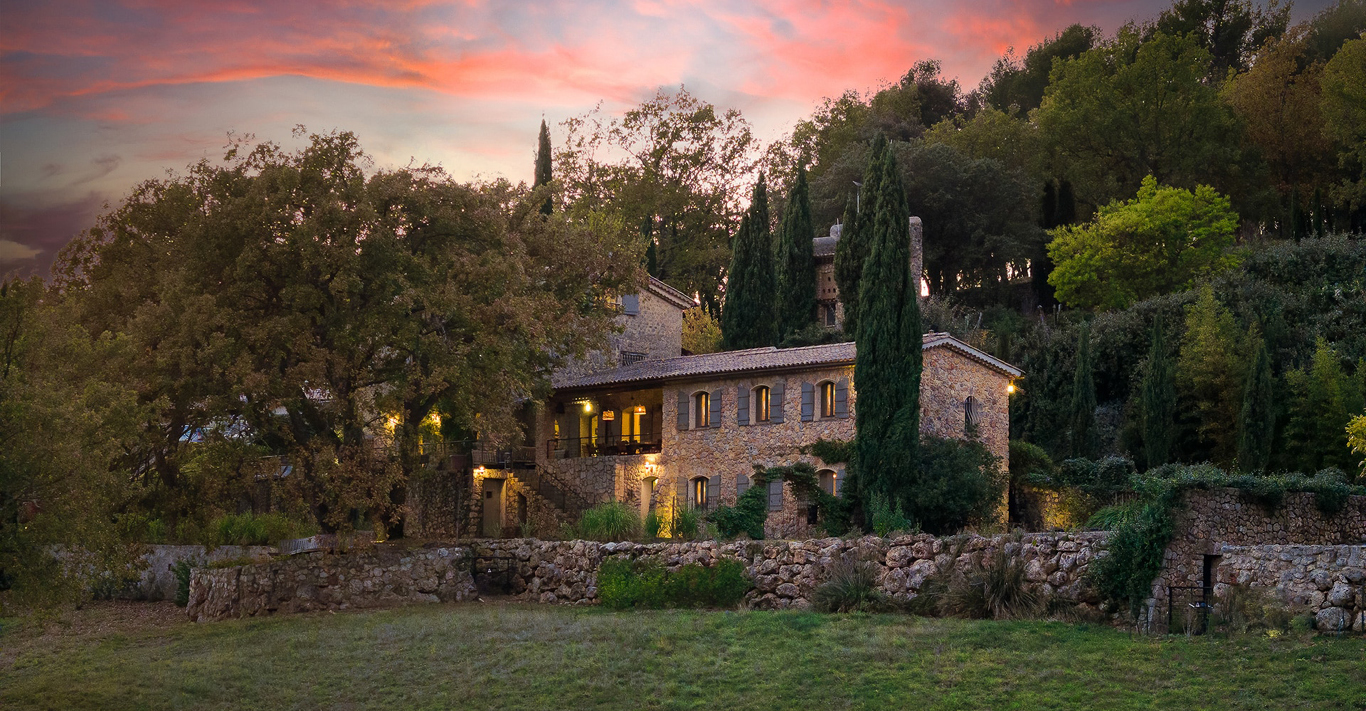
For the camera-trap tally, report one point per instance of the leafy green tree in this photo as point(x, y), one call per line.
point(1018, 85)
point(1344, 112)
point(749, 319)
point(1211, 376)
point(1334, 26)
point(543, 175)
point(889, 359)
point(1257, 418)
point(1084, 438)
point(1356, 439)
point(796, 265)
point(1129, 109)
point(1157, 243)
point(1230, 30)
point(1158, 402)
point(1323, 400)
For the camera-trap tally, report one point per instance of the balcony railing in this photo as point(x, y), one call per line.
point(573, 447)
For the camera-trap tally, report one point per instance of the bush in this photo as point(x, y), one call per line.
point(886, 519)
point(1244, 609)
point(747, 516)
point(249, 529)
point(959, 483)
point(653, 525)
point(687, 523)
point(644, 583)
point(182, 571)
point(611, 521)
point(850, 587)
point(996, 590)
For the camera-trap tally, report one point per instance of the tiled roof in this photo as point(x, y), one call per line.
point(668, 293)
point(824, 246)
point(758, 359)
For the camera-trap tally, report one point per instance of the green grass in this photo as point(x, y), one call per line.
point(541, 657)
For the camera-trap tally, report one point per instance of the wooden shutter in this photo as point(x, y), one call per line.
point(715, 408)
point(775, 495)
point(630, 304)
point(684, 404)
point(741, 485)
point(839, 483)
point(808, 402)
point(775, 402)
point(842, 398)
point(742, 404)
point(713, 491)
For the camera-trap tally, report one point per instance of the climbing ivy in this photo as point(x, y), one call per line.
point(751, 508)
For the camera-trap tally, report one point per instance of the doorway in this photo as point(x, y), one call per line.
point(493, 508)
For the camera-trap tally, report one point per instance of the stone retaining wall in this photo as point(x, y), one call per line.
point(320, 581)
point(1326, 581)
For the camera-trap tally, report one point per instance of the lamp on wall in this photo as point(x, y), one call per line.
point(1010, 389)
point(588, 407)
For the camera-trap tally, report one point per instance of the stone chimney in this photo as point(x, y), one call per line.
point(917, 254)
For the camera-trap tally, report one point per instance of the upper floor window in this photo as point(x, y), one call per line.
point(972, 414)
point(761, 403)
point(630, 357)
point(701, 410)
point(829, 310)
point(827, 399)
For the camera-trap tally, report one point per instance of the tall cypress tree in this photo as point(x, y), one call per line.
point(1085, 439)
point(852, 249)
point(651, 253)
point(1257, 419)
point(889, 359)
point(1158, 403)
point(796, 265)
point(749, 319)
point(543, 166)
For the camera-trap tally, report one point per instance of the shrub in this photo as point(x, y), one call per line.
point(1243, 609)
point(687, 523)
point(249, 529)
point(653, 524)
point(886, 519)
point(850, 586)
point(747, 516)
point(959, 483)
point(610, 521)
point(182, 571)
point(644, 583)
point(996, 589)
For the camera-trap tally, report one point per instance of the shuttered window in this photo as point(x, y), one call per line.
point(808, 402)
point(742, 405)
point(827, 400)
point(775, 403)
point(761, 404)
point(699, 492)
point(741, 485)
point(701, 415)
point(775, 495)
point(682, 410)
point(630, 304)
point(713, 492)
point(714, 418)
point(842, 398)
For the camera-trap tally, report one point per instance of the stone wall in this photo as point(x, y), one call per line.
point(786, 572)
point(949, 378)
point(319, 581)
point(1211, 520)
point(543, 517)
point(1328, 582)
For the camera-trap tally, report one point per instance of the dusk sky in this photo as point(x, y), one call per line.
point(98, 95)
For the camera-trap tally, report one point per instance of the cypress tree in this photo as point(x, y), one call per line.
point(889, 360)
point(543, 166)
point(1257, 419)
point(796, 265)
point(1084, 438)
point(1158, 402)
point(748, 319)
point(651, 253)
point(852, 249)
point(1066, 213)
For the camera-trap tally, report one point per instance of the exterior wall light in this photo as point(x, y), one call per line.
point(588, 407)
point(1010, 388)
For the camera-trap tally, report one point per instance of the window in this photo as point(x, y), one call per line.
point(630, 357)
point(972, 414)
point(741, 485)
point(630, 304)
point(827, 399)
point(699, 493)
point(761, 396)
point(829, 314)
point(775, 495)
point(701, 410)
point(826, 478)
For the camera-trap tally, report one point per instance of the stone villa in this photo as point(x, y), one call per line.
point(664, 430)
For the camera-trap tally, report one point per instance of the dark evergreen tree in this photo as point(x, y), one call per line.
point(889, 360)
point(796, 265)
point(1158, 402)
point(749, 318)
point(543, 166)
point(651, 252)
point(1257, 419)
point(852, 249)
point(1084, 437)
point(1066, 214)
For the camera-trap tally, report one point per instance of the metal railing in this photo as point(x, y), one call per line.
point(574, 447)
point(555, 490)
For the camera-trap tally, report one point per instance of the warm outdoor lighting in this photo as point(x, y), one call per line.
point(588, 407)
point(1011, 388)
point(640, 409)
point(436, 420)
point(479, 470)
point(393, 423)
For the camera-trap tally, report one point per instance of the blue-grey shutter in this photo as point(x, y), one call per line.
point(808, 402)
point(683, 406)
point(839, 482)
point(715, 408)
point(713, 491)
point(742, 404)
point(630, 304)
point(842, 398)
point(775, 402)
point(775, 495)
point(741, 485)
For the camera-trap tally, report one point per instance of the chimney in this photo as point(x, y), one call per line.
point(917, 254)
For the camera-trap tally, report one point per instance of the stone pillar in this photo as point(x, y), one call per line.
point(917, 253)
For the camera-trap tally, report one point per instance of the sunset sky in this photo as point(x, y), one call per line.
point(98, 95)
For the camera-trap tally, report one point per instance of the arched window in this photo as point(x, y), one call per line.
point(972, 414)
point(826, 479)
point(761, 399)
point(704, 492)
point(827, 399)
point(701, 410)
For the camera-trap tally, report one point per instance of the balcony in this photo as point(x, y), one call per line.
point(574, 447)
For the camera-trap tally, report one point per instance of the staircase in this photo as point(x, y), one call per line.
point(554, 490)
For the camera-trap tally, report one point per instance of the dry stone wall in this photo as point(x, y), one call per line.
point(1329, 582)
point(319, 581)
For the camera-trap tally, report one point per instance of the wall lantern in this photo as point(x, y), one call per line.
point(639, 409)
point(1010, 388)
point(479, 470)
point(588, 407)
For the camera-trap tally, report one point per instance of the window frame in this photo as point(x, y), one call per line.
point(760, 396)
point(826, 409)
point(699, 493)
point(701, 410)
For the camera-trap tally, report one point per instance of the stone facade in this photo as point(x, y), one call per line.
point(1209, 521)
point(1328, 582)
point(318, 581)
point(649, 330)
point(949, 378)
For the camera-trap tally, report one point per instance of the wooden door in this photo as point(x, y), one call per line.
point(493, 508)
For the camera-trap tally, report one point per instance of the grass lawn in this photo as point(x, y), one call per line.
point(489, 656)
